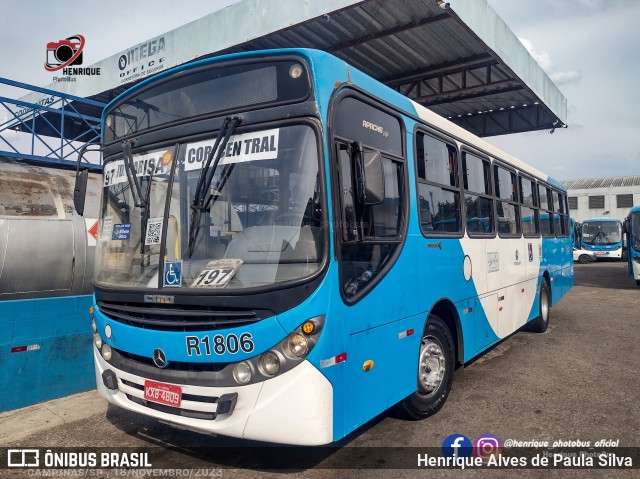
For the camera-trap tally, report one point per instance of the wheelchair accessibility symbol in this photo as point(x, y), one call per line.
point(172, 274)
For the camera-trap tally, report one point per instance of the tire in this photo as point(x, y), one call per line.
point(540, 324)
point(433, 385)
point(637, 282)
point(584, 259)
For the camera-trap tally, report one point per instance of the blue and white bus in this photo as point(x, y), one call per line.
point(288, 248)
point(603, 236)
point(632, 231)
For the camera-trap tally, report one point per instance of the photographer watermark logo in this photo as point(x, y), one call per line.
point(23, 458)
point(65, 55)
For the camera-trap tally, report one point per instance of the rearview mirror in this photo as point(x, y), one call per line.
point(80, 191)
point(369, 175)
point(80, 188)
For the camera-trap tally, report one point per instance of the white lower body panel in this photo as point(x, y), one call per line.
point(293, 408)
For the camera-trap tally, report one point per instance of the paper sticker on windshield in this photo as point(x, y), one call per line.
point(121, 231)
point(217, 273)
point(154, 231)
point(172, 274)
point(257, 145)
point(107, 227)
point(152, 163)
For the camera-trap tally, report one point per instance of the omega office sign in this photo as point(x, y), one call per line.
point(142, 60)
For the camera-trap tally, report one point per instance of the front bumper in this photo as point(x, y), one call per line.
point(295, 407)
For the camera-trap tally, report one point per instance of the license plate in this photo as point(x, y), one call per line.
point(602, 253)
point(163, 393)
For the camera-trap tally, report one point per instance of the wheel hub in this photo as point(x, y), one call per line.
point(544, 306)
point(432, 365)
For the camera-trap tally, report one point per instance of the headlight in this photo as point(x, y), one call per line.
point(97, 340)
point(270, 363)
point(106, 352)
point(242, 372)
point(297, 345)
point(279, 358)
point(93, 325)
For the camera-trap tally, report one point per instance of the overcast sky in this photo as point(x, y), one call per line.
point(588, 47)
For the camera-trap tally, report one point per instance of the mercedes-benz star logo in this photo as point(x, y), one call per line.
point(159, 359)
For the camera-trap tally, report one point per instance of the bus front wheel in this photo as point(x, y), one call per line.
point(637, 282)
point(540, 324)
point(435, 372)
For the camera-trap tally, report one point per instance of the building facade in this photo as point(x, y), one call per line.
point(603, 197)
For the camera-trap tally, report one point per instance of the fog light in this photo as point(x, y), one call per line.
point(106, 352)
point(107, 331)
point(298, 345)
point(270, 363)
point(97, 340)
point(242, 372)
point(93, 325)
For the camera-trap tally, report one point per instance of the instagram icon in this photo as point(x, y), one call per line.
point(486, 446)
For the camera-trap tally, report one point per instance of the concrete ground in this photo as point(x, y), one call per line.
point(577, 381)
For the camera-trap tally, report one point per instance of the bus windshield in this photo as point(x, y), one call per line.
point(263, 223)
point(601, 232)
point(635, 230)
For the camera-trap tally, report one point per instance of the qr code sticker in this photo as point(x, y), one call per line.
point(154, 231)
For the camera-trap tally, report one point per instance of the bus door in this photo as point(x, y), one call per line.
point(376, 270)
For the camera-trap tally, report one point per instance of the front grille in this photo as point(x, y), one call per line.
point(194, 374)
point(173, 365)
point(182, 318)
point(186, 397)
point(176, 411)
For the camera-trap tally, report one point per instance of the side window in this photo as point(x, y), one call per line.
point(507, 202)
point(478, 202)
point(567, 226)
point(546, 215)
point(559, 218)
point(371, 190)
point(530, 223)
point(438, 194)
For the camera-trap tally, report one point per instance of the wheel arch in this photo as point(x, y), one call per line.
point(447, 312)
point(546, 277)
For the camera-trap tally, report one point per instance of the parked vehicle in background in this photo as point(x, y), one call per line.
point(632, 230)
point(603, 236)
point(583, 256)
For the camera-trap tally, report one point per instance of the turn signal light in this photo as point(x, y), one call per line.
point(308, 327)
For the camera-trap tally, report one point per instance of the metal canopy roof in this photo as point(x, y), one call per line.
point(611, 182)
point(459, 59)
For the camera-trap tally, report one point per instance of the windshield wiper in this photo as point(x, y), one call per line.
point(134, 184)
point(206, 176)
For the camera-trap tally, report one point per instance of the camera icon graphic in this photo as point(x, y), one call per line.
point(487, 446)
point(64, 53)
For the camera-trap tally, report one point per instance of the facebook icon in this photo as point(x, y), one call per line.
point(456, 446)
